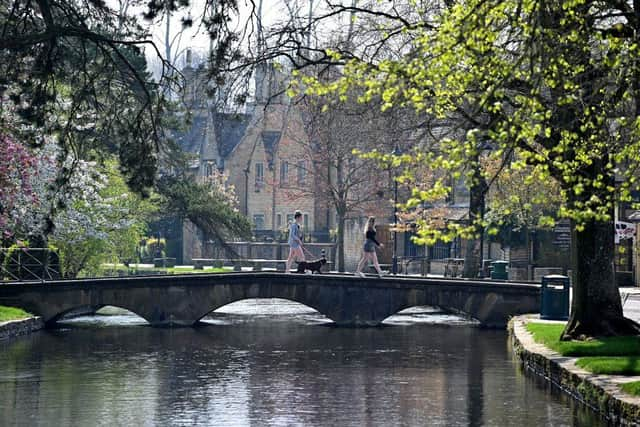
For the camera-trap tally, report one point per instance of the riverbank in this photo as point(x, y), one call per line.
point(16, 328)
point(603, 393)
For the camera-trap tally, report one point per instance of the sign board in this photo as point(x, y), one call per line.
point(562, 234)
point(624, 231)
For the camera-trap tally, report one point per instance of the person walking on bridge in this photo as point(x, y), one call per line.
point(295, 241)
point(369, 248)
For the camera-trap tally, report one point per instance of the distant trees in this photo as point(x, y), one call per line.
point(76, 70)
point(74, 83)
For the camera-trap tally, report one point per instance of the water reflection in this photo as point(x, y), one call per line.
point(265, 363)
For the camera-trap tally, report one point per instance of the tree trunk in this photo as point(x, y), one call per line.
point(340, 236)
point(473, 252)
point(596, 308)
point(472, 259)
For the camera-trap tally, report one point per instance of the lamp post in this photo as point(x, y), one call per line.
point(394, 265)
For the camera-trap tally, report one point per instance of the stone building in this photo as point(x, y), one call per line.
point(260, 149)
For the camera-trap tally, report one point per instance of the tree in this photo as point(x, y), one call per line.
point(561, 87)
point(17, 166)
point(103, 220)
point(336, 175)
point(76, 70)
point(210, 205)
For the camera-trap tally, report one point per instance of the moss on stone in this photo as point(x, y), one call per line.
point(632, 388)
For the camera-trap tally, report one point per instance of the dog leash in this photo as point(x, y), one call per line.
point(309, 252)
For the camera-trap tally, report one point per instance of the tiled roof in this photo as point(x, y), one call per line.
point(230, 129)
point(191, 139)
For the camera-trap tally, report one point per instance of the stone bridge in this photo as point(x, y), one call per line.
point(182, 300)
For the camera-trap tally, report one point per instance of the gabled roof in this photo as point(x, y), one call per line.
point(270, 141)
point(230, 129)
point(191, 139)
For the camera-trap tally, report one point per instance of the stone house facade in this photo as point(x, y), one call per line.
point(260, 152)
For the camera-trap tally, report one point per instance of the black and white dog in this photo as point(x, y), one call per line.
point(314, 266)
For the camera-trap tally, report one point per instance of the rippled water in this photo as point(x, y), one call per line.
point(271, 362)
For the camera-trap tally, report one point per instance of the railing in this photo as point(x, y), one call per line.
point(29, 264)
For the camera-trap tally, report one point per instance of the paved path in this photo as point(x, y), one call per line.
point(631, 301)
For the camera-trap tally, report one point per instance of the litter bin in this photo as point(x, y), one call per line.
point(499, 270)
point(554, 297)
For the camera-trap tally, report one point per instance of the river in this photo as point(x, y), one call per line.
point(274, 363)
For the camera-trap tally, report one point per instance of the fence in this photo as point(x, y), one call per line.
point(29, 264)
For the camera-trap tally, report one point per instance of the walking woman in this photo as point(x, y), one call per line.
point(369, 248)
point(295, 242)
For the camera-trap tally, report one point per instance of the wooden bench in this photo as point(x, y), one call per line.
point(420, 263)
point(200, 263)
point(259, 264)
point(453, 267)
point(237, 264)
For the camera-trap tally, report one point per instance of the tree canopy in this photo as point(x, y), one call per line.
point(553, 87)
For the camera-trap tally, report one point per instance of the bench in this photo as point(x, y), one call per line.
point(200, 263)
point(256, 264)
point(164, 262)
point(453, 267)
point(418, 264)
point(259, 264)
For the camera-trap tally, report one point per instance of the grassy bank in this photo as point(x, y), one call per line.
point(12, 313)
point(549, 335)
point(608, 356)
point(122, 270)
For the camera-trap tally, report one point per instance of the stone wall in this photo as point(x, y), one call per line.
point(14, 328)
point(353, 242)
point(600, 392)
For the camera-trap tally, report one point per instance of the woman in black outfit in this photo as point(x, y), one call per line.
point(369, 248)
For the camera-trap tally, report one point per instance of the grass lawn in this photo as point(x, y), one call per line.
point(11, 313)
point(189, 270)
point(549, 335)
point(113, 271)
point(620, 365)
point(632, 388)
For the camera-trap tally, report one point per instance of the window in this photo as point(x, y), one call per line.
point(279, 220)
point(258, 221)
point(284, 172)
point(259, 176)
point(306, 221)
point(209, 169)
point(289, 218)
point(302, 172)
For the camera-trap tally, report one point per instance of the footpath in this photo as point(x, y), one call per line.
point(586, 372)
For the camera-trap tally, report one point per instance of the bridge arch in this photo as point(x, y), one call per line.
point(288, 300)
point(88, 309)
point(228, 301)
point(447, 310)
